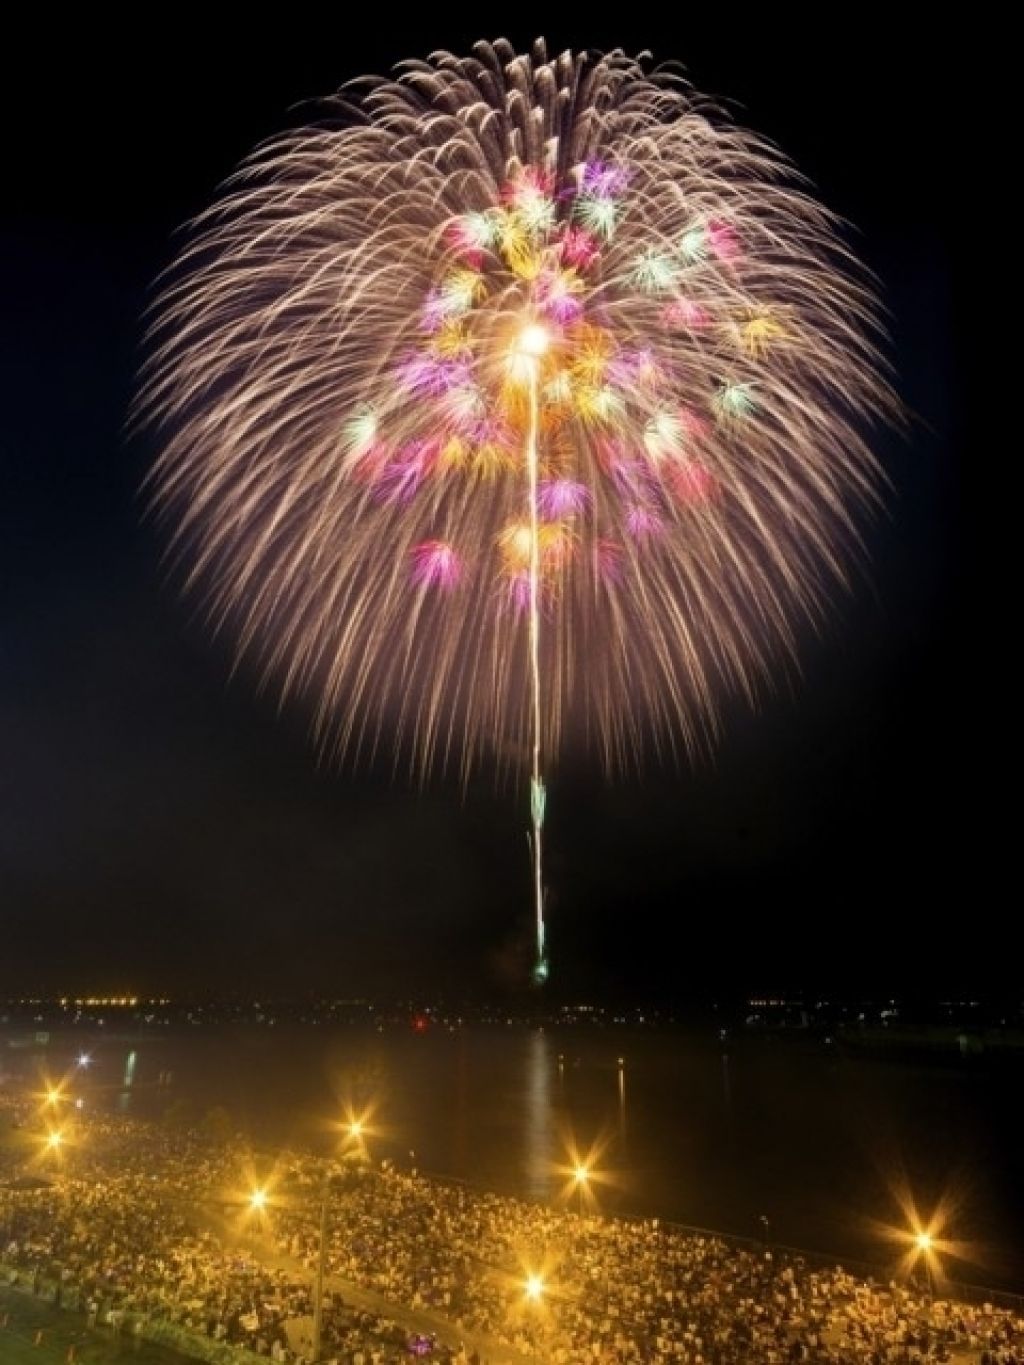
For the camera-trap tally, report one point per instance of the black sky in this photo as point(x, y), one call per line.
point(162, 827)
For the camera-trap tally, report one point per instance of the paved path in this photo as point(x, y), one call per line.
point(491, 1351)
point(422, 1320)
point(959, 1355)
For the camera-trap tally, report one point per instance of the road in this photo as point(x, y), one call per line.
point(413, 1320)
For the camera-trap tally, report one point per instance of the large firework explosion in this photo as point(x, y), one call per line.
point(517, 400)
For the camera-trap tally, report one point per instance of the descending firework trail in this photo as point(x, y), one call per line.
point(519, 401)
point(534, 341)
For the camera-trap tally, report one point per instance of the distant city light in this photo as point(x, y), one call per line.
point(85, 1061)
point(258, 1200)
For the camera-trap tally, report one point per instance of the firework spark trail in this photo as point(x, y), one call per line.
point(351, 406)
point(537, 791)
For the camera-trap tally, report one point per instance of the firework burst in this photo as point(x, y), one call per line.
point(520, 400)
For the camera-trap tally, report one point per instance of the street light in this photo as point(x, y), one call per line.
point(581, 1175)
point(257, 1204)
point(318, 1300)
point(533, 1291)
point(925, 1244)
point(53, 1143)
point(357, 1128)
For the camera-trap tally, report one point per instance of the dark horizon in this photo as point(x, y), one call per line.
point(914, 1022)
point(164, 829)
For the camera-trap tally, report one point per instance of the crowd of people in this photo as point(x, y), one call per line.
point(630, 1291)
point(126, 1231)
point(142, 1224)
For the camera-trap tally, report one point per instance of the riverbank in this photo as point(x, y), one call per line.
point(215, 1248)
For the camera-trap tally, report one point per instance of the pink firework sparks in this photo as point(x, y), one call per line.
point(559, 498)
point(425, 374)
point(631, 477)
point(693, 483)
point(555, 297)
point(491, 431)
point(643, 521)
point(685, 313)
point(369, 462)
point(608, 565)
point(435, 564)
point(579, 248)
point(466, 243)
point(634, 367)
point(603, 180)
point(723, 240)
point(517, 588)
point(399, 481)
point(532, 181)
point(434, 311)
point(693, 424)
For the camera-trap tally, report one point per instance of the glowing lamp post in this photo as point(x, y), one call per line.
point(925, 1245)
point(321, 1258)
point(581, 1177)
point(257, 1206)
point(533, 1292)
point(258, 1203)
point(356, 1130)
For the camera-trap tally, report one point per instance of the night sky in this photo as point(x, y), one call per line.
point(162, 828)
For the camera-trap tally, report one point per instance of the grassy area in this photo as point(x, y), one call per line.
point(27, 1316)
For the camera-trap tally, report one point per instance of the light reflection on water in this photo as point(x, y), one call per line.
point(621, 1068)
point(538, 1119)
